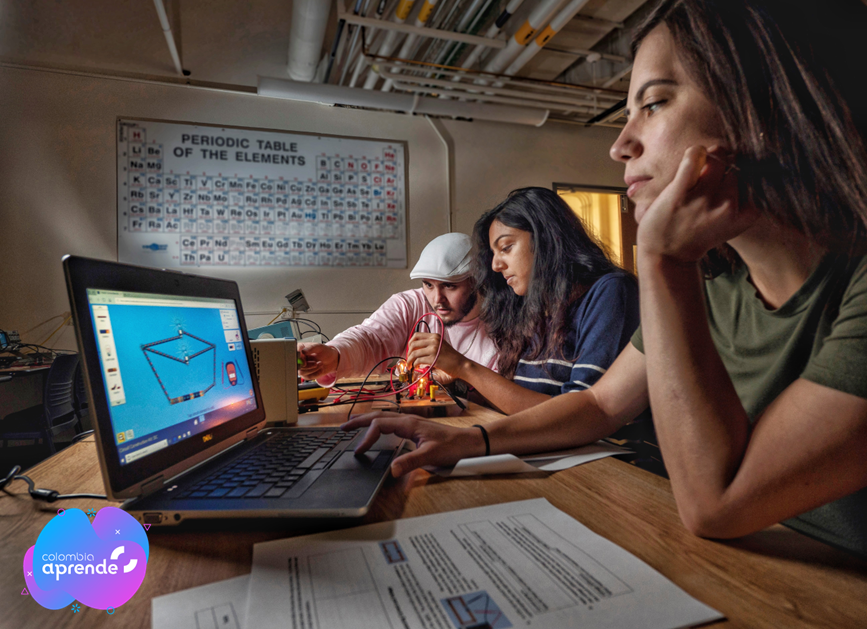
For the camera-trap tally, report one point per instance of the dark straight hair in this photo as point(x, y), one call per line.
point(566, 263)
point(786, 79)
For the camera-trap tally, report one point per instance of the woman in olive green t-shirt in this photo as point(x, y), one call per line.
point(740, 142)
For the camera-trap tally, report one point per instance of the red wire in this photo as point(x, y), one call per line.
point(426, 372)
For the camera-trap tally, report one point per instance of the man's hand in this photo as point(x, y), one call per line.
point(319, 360)
point(436, 444)
point(423, 351)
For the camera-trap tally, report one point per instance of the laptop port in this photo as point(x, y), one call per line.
point(153, 518)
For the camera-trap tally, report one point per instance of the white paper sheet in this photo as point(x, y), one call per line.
point(219, 605)
point(547, 462)
point(510, 565)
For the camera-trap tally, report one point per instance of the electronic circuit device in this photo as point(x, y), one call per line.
point(279, 330)
point(275, 362)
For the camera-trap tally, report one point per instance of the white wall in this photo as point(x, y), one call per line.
point(58, 184)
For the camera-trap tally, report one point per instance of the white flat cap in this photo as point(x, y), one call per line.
point(446, 259)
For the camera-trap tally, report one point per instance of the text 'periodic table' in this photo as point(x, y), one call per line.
point(194, 195)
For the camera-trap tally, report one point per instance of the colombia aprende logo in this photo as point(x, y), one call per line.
point(100, 565)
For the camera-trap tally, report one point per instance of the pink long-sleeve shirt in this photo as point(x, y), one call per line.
point(386, 332)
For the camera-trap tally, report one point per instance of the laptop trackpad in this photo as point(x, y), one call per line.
point(370, 460)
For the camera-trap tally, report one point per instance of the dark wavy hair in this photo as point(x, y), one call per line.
point(786, 79)
point(566, 263)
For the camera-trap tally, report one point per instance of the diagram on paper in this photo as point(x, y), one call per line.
point(475, 611)
point(218, 617)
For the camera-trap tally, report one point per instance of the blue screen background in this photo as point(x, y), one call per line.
point(147, 409)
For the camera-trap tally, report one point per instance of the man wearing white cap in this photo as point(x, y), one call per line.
point(447, 288)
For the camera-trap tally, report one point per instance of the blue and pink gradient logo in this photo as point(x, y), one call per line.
point(100, 565)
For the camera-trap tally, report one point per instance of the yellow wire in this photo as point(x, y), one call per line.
point(57, 330)
point(39, 325)
point(279, 314)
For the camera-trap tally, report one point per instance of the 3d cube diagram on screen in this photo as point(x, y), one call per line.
point(183, 359)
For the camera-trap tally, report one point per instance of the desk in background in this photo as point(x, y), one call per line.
point(23, 389)
point(776, 578)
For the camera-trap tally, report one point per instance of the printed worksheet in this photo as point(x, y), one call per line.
point(217, 605)
point(519, 564)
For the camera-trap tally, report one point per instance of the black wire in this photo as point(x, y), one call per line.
point(420, 322)
point(363, 382)
point(454, 397)
point(46, 495)
point(309, 322)
point(81, 436)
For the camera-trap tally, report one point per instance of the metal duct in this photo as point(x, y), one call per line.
point(307, 33)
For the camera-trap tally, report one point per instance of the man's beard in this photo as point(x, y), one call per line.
point(463, 311)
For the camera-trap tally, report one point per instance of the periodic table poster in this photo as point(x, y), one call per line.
point(203, 196)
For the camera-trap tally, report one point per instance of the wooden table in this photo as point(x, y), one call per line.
point(776, 578)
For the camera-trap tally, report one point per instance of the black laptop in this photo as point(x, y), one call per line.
point(180, 426)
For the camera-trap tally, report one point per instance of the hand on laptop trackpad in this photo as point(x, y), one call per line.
point(370, 460)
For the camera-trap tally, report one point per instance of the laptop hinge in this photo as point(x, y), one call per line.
point(252, 433)
point(152, 485)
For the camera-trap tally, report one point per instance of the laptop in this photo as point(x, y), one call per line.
point(178, 415)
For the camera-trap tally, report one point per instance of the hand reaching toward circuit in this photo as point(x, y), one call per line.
point(319, 360)
point(422, 351)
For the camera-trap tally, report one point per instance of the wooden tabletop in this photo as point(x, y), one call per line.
point(775, 578)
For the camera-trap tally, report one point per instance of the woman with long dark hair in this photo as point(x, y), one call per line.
point(746, 139)
point(558, 310)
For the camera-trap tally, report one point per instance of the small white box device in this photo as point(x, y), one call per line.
point(276, 365)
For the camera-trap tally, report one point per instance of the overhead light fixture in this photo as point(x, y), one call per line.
point(357, 97)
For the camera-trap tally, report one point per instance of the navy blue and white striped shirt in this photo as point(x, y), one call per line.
point(605, 319)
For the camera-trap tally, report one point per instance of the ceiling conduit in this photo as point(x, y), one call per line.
point(307, 33)
point(361, 64)
point(420, 21)
point(170, 39)
point(400, 15)
point(467, 24)
point(538, 18)
point(492, 32)
point(339, 95)
point(563, 18)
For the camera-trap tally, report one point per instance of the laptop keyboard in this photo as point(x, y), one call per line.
point(282, 467)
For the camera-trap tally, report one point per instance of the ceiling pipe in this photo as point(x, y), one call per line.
point(408, 44)
point(307, 33)
point(461, 83)
point(467, 24)
point(401, 13)
point(538, 18)
point(562, 18)
point(490, 98)
point(614, 79)
point(361, 64)
point(548, 100)
point(492, 32)
point(339, 95)
point(449, 145)
point(353, 46)
point(433, 33)
point(170, 39)
point(339, 43)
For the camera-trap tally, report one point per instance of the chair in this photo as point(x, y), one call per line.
point(82, 410)
point(55, 417)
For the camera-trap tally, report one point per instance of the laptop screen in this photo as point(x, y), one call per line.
point(172, 366)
